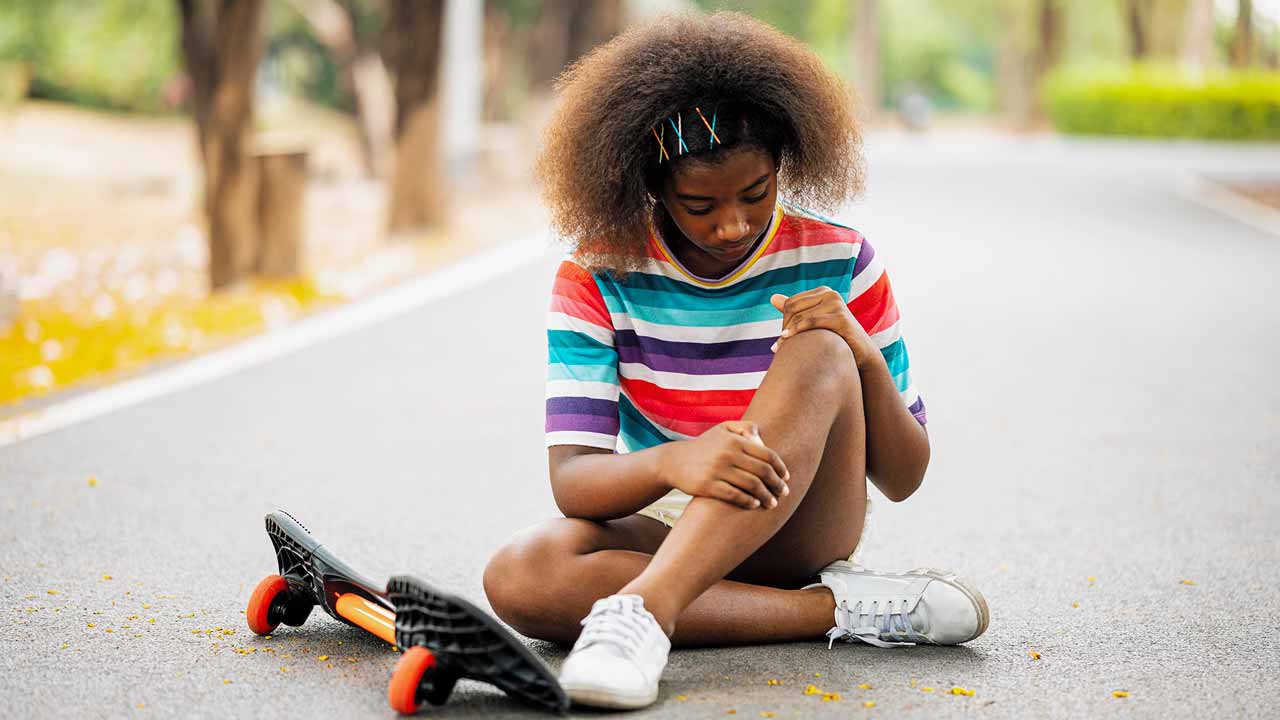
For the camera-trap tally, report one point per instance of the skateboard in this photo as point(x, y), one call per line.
point(444, 637)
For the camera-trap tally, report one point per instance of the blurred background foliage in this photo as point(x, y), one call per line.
point(115, 206)
point(123, 54)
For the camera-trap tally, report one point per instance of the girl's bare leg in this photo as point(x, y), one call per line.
point(809, 410)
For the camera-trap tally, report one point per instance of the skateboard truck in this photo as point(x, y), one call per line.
point(444, 637)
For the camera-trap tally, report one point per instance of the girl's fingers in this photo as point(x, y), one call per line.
point(765, 472)
point(766, 454)
point(724, 491)
point(751, 485)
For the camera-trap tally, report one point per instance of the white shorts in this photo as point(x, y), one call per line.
point(668, 508)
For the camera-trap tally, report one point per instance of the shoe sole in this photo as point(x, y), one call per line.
point(943, 576)
point(610, 699)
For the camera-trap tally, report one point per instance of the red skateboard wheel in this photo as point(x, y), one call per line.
point(402, 693)
point(258, 614)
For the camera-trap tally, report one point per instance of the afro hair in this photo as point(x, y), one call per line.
point(601, 164)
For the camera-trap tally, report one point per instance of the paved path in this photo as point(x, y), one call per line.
point(1099, 357)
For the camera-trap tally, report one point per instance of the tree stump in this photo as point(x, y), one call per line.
point(8, 295)
point(282, 185)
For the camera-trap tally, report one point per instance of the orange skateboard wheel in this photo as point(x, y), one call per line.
point(258, 614)
point(402, 693)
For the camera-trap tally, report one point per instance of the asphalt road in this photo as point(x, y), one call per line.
point(1098, 355)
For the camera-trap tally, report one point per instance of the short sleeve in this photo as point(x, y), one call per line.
point(582, 363)
point(872, 304)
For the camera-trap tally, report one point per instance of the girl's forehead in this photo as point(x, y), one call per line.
point(735, 170)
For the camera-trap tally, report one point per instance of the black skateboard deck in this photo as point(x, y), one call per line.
point(469, 643)
point(444, 637)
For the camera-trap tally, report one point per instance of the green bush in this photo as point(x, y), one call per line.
point(1160, 102)
point(107, 53)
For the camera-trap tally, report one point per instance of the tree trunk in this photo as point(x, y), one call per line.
point(220, 42)
point(411, 49)
point(866, 55)
point(1197, 37)
point(1242, 41)
point(1015, 71)
point(1048, 51)
point(1136, 17)
point(362, 75)
point(568, 29)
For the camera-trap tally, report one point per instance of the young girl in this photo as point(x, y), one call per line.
point(726, 370)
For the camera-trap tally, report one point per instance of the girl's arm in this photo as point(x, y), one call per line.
point(897, 444)
point(598, 484)
point(728, 462)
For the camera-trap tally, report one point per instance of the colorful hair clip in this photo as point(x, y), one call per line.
point(679, 135)
point(711, 126)
point(662, 149)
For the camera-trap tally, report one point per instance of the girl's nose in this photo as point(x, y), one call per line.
point(733, 227)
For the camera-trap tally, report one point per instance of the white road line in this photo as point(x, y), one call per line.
point(261, 349)
point(1241, 208)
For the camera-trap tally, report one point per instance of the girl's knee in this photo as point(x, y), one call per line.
point(521, 578)
point(822, 348)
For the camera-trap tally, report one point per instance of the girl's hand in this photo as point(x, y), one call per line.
point(729, 462)
point(824, 308)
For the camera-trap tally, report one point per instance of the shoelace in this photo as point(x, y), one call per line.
point(880, 628)
point(614, 623)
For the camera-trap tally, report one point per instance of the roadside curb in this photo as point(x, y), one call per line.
point(1209, 193)
point(260, 349)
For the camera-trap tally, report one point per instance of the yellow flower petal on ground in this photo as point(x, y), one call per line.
point(106, 577)
point(868, 704)
point(90, 624)
point(1075, 604)
point(64, 646)
point(93, 481)
point(1034, 655)
point(1120, 694)
point(828, 697)
point(1092, 579)
point(53, 592)
point(1188, 582)
point(730, 711)
point(811, 690)
point(771, 682)
point(926, 689)
point(323, 657)
point(864, 686)
point(284, 669)
point(767, 714)
point(682, 698)
point(817, 674)
point(226, 682)
point(962, 691)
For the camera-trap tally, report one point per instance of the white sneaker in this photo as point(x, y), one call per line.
point(893, 609)
point(619, 657)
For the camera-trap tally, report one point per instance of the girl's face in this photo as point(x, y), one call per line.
point(721, 209)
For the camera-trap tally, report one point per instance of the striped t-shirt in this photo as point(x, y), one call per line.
point(665, 355)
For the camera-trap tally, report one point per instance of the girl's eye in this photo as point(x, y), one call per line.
point(757, 198)
point(699, 211)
